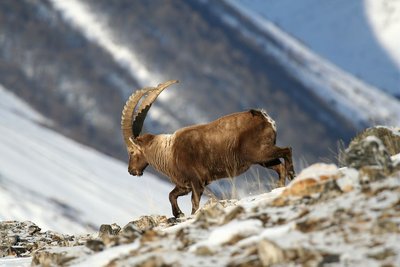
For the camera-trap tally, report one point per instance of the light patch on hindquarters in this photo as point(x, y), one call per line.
point(269, 119)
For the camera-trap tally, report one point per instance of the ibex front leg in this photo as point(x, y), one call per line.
point(271, 160)
point(279, 168)
point(173, 198)
point(289, 162)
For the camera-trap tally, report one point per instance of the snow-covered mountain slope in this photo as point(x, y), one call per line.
point(344, 93)
point(361, 37)
point(95, 27)
point(67, 187)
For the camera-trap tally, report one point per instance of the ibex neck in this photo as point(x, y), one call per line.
point(159, 153)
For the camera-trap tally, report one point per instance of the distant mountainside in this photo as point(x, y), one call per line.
point(66, 186)
point(79, 70)
point(63, 75)
point(340, 91)
point(361, 37)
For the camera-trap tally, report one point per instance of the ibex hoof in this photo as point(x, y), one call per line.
point(179, 215)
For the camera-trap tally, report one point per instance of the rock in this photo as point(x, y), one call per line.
point(382, 255)
point(307, 257)
point(58, 239)
point(109, 234)
point(151, 235)
point(115, 228)
point(156, 261)
point(131, 232)
point(33, 228)
point(145, 223)
point(109, 230)
point(12, 240)
point(389, 136)
point(204, 251)
point(269, 253)
point(385, 226)
point(310, 225)
point(250, 261)
point(4, 251)
point(21, 238)
point(234, 213)
point(317, 178)
point(210, 214)
point(95, 245)
point(371, 173)
point(59, 256)
point(105, 230)
point(370, 151)
point(349, 180)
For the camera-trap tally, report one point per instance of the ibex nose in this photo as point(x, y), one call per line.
point(134, 172)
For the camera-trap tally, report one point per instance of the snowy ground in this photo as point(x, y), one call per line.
point(325, 216)
point(362, 37)
point(62, 185)
point(339, 221)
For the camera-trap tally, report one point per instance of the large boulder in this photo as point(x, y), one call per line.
point(374, 153)
point(390, 137)
point(369, 151)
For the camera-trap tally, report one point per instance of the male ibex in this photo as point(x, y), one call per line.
point(194, 156)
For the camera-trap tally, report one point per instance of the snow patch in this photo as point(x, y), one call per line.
point(316, 171)
point(229, 231)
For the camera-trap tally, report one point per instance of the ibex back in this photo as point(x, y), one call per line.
point(194, 156)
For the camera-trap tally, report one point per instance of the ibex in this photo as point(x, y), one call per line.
point(194, 156)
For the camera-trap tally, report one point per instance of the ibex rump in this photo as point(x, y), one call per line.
point(194, 156)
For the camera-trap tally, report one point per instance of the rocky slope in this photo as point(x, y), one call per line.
point(326, 216)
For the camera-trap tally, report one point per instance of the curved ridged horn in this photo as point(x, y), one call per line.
point(144, 107)
point(131, 121)
point(128, 112)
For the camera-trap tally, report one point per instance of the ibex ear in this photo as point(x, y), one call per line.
point(134, 142)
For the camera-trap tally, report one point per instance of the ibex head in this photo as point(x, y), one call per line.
point(132, 123)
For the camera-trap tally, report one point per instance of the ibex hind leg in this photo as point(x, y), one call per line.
point(197, 192)
point(173, 198)
point(279, 168)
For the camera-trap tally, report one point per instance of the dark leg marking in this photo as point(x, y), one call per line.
point(173, 196)
point(279, 168)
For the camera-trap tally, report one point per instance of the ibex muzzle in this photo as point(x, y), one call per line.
point(194, 156)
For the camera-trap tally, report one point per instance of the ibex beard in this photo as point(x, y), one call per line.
point(194, 156)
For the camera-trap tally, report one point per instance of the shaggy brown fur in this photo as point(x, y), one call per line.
point(195, 156)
